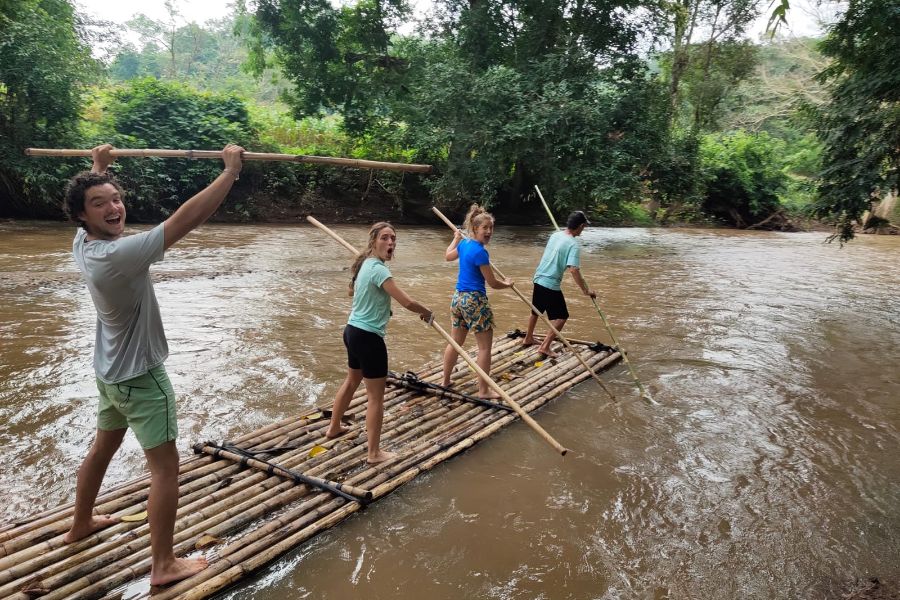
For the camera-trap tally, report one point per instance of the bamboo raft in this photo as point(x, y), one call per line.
point(245, 502)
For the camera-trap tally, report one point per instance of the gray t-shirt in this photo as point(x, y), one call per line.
point(130, 336)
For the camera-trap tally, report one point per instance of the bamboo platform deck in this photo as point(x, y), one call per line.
point(242, 512)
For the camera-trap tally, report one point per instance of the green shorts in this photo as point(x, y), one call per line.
point(145, 403)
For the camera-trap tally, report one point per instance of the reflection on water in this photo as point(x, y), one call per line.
point(768, 470)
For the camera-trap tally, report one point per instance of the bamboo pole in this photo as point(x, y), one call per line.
point(535, 310)
point(612, 335)
point(264, 156)
point(341, 489)
point(465, 355)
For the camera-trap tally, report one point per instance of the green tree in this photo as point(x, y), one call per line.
point(337, 58)
point(783, 84)
point(45, 66)
point(713, 77)
point(498, 94)
point(692, 33)
point(209, 57)
point(148, 113)
point(743, 177)
point(860, 125)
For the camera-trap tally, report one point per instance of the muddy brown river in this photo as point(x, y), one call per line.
point(770, 469)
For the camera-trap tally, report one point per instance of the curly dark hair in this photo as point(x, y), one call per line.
point(78, 185)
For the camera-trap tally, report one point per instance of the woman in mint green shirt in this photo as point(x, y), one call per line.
point(372, 288)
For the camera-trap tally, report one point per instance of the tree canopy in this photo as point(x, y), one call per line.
point(45, 66)
point(860, 125)
point(638, 110)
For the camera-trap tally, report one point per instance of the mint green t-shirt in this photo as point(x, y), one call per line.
point(562, 251)
point(371, 304)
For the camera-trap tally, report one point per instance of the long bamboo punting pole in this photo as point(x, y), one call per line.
point(536, 311)
point(465, 355)
point(612, 335)
point(298, 158)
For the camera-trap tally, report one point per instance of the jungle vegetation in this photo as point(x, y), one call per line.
point(641, 111)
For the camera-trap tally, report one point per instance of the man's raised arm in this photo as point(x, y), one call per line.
point(199, 208)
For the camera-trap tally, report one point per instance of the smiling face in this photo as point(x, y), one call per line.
point(484, 231)
point(104, 213)
point(385, 243)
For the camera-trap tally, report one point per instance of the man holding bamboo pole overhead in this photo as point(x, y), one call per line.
point(130, 347)
point(562, 253)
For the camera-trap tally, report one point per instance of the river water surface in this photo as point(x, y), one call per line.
point(769, 469)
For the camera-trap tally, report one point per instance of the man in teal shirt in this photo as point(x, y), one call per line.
point(561, 254)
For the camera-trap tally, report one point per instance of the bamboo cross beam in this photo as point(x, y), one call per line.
point(465, 356)
point(535, 310)
point(266, 156)
point(612, 335)
point(344, 490)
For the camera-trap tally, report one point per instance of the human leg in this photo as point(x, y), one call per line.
point(537, 301)
point(485, 340)
point(554, 303)
point(162, 506)
point(458, 334)
point(342, 402)
point(355, 341)
point(529, 333)
point(375, 419)
point(90, 477)
point(544, 348)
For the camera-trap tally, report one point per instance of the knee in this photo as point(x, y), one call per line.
point(163, 460)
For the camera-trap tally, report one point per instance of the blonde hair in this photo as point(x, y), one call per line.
point(475, 218)
point(374, 232)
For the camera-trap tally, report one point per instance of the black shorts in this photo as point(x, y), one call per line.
point(366, 351)
point(550, 301)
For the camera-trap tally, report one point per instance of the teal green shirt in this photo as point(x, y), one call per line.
point(371, 304)
point(562, 251)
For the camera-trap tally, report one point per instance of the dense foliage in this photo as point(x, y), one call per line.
point(500, 95)
point(148, 113)
point(743, 177)
point(860, 126)
point(45, 65)
point(638, 111)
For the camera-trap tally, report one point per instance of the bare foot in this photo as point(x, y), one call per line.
point(528, 342)
point(96, 524)
point(181, 568)
point(330, 434)
point(381, 457)
point(548, 353)
point(489, 395)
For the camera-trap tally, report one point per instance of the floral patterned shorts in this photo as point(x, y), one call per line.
point(472, 311)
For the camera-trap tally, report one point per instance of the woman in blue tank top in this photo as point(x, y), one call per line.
point(469, 308)
point(372, 288)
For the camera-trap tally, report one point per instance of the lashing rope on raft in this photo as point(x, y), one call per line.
point(246, 456)
point(410, 380)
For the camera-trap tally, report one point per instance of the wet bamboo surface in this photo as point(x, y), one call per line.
point(241, 515)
